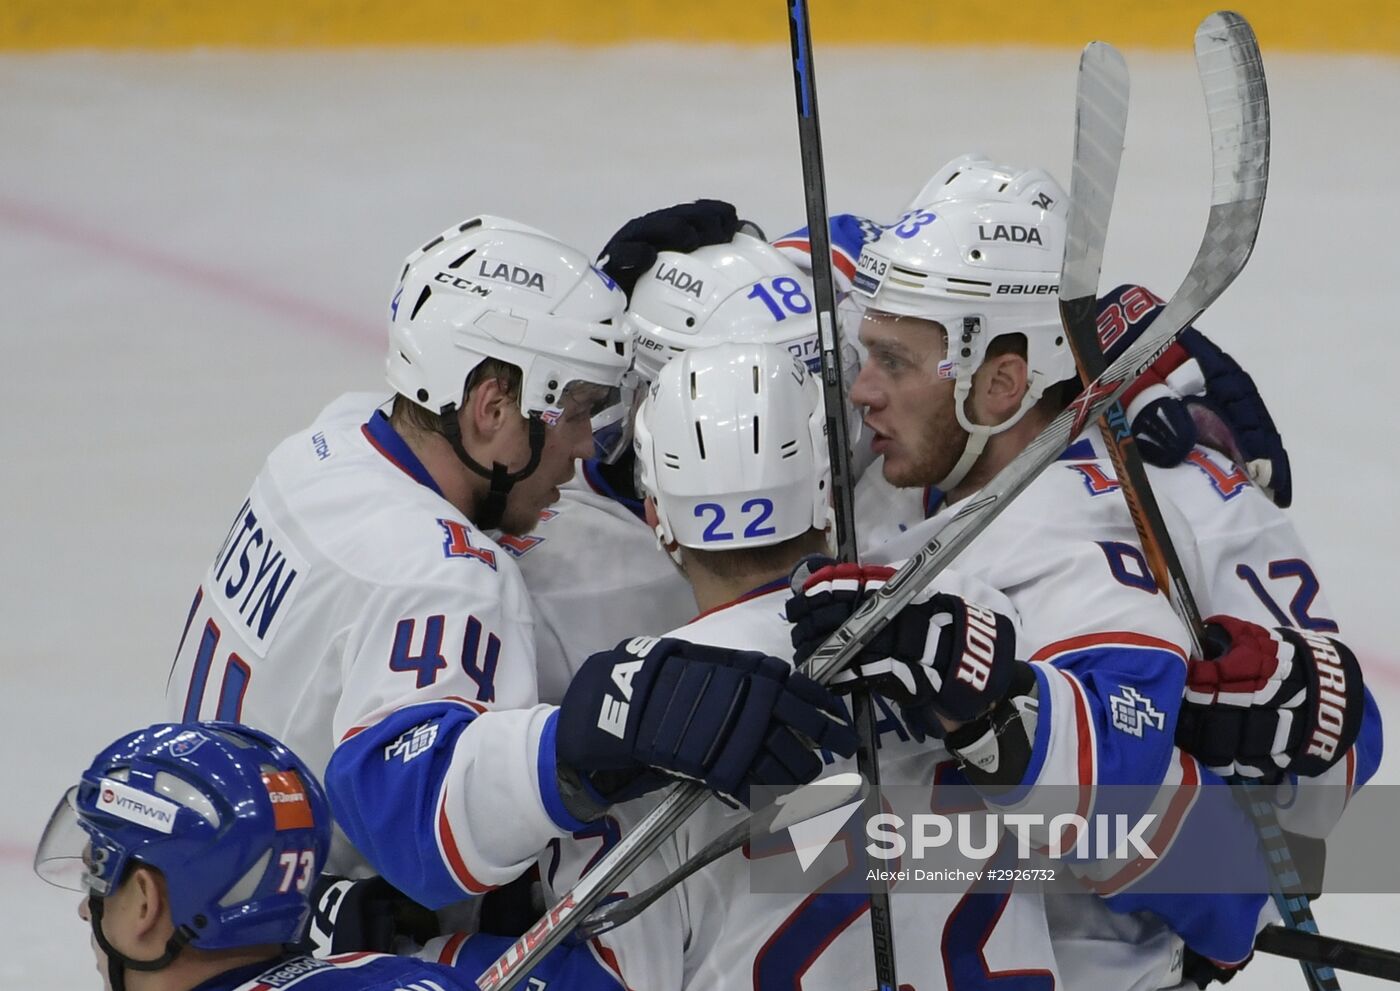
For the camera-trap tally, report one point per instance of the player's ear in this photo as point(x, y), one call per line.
point(487, 406)
point(149, 906)
point(1002, 382)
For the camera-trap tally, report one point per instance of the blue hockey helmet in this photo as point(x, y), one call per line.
point(236, 823)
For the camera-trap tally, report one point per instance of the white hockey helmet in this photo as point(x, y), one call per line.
point(731, 447)
point(979, 253)
point(743, 291)
point(495, 288)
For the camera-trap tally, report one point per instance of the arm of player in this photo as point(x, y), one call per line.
point(1255, 566)
point(440, 737)
point(571, 965)
point(848, 234)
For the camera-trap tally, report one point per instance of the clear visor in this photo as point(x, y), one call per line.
point(607, 408)
point(70, 857)
point(891, 353)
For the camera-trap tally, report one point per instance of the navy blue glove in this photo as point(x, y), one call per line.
point(1195, 393)
point(939, 653)
point(729, 718)
point(631, 252)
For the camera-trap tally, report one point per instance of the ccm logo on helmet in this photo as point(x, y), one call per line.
point(1014, 233)
point(612, 717)
point(516, 275)
point(980, 643)
point(1330, 715)
point(456, 282)
point(683, 281)
point(1016, 289)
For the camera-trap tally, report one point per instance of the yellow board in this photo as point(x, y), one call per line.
point(1282, 25)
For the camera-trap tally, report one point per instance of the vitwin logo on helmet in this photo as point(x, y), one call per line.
point(516, 275)
point(290, 809)
point(125, 802)
point(1013, 233)
point(682, 280)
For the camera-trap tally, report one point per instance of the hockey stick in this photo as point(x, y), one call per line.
point(807, 802)
point(838, 440)
point(1328, 952)
point(1233, 224)
point(1100, 121)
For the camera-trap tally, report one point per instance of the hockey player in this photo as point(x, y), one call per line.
point(358, 605)
point(695, 277)
point(967, 361)
point(195, 844)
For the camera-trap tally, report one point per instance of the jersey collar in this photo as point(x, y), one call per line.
point(600, 485)
point(385, 439)
point(777, 584)
point(1081, 450)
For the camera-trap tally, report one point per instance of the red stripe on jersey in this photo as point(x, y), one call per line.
point(1351, 776)
point(839, 258)
point(609, 959)
point(1183, 797)
point(448, 843)
point(450, 949)
point(1117, 639)
point(364, 429)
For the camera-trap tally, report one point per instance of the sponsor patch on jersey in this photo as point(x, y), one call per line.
point(258, 573)
point(320, 446)
point(125, 802)
point(290, 808)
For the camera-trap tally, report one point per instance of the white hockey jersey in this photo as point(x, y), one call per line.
point(351, 602)
point(713, 932)
point(595, 576)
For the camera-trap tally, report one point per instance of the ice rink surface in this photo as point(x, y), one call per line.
point(197, 251)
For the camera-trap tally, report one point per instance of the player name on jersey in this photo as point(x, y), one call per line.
point(257, 570)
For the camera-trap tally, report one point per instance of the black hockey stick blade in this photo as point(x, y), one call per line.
point(1341, 954)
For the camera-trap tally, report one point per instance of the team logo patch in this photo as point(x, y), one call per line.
point(187, 743)
point(412, 742)
point(125, 802)
point(1133, 712)
point(290, 808)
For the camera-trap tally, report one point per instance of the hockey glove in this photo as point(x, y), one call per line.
point(368, 915)
point(1194, 393)
point(938, 653)
point(1268, 701)
point(729, 718)
point(631, 252)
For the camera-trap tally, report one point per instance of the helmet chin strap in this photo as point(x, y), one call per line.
point(492, 510)
point(977, 433)
point(118, 962)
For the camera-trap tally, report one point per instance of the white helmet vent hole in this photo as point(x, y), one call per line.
point(755, 430)
point(755, 380)
point(952, 177)
point(459, 261)
point(694, 392)
point(431, 244)
point(422, 298)
point(700, 439)
point(789, 450)
point(690, 321)
point(975, 255)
